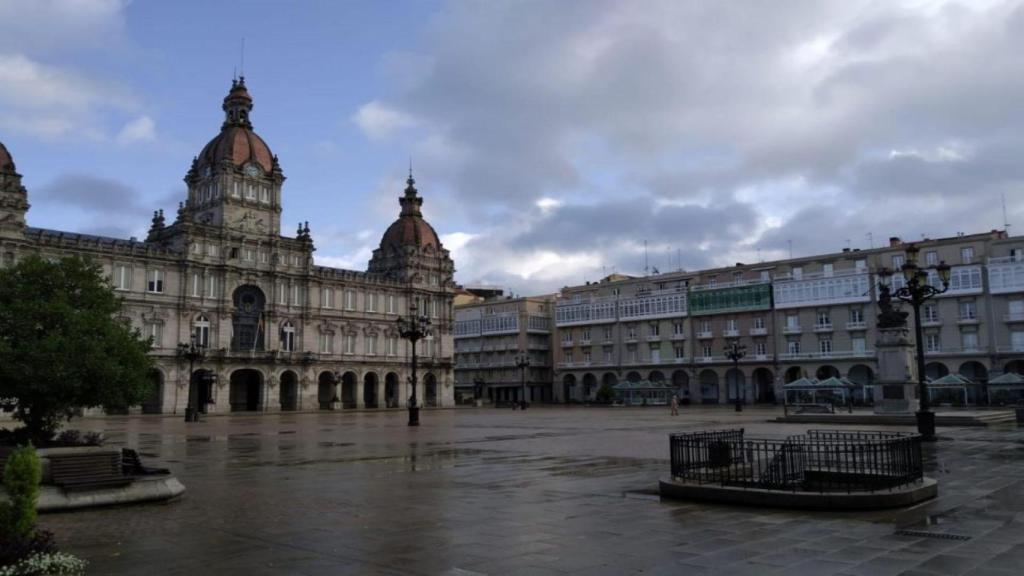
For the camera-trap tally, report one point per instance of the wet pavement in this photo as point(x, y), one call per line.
point(545, 491)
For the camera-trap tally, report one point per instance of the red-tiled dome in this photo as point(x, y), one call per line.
point(237, 143)
point(410, 229)
point(6, 162)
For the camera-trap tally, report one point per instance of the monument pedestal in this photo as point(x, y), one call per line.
point(894, 388)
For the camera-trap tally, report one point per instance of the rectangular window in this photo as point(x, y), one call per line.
point(607, 333)
point(1017, 341)
point(824, 319)
point(932, 343)
point(197, 285)
point(793, 346)
point(798, 272)
point(766, 276)
point(859, 345)
point(607, 355)
point(897, 262)
point(211, 286)
point(350, 300)
point(249, 254)
point(586, 356)
point(705, 326)
point(567, 337)
point(264, 194)
point(825, 345)
point(655, 354)
point(759, 322)
point(288, 338)
point(860, 264)
point(155, 331)
point(1016, 307)
point(930, 313)
point(327, 298)
point(122, 277)
point(706, 351)
point(212, 250)
point(282, 293)
point(236, 191)
point(654, 329)
point(155, 281)
point(264, 256)
point(678, 329)
point(731, 324)
point(967, 254)
point(792, 321)
point(392, 346)
point(968, 310)
point(326, 343)
point(969, 340)
point(250, 192)
point(296, 295)
point(391, 304)
point(631, 333)
point(680, 352)
point(585, 336)
point(568, 356)
point(760, 348)
point(350, 344)
point(826, 270)
point(931, 258)
point(371, 345)
point(371, 302)
point(856, 315)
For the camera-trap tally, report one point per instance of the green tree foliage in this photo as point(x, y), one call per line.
point(21, 482)
point(605, 394)
point(63, 346)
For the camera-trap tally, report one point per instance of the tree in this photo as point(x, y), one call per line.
point(63, 345)
point(605, 394)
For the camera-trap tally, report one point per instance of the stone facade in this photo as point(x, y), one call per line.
point(280, 332)
point(813, 316)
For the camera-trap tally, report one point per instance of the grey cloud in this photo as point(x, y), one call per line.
point(93, 193)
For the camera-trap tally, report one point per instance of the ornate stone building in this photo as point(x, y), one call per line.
point(280, 332)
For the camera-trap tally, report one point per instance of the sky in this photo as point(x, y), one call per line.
point(554, 142)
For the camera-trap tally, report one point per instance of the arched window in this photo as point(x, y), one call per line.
point(288, 337)
point(201, 330)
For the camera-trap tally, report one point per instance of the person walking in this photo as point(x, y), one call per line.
point(675, 405)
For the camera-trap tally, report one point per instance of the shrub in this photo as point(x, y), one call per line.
point(46, 564)
point(14, 549)
point(21, 481)
point(605, 394)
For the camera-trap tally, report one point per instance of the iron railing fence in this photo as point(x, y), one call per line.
point(820, 461)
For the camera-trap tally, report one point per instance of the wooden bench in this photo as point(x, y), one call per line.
point(87, 471)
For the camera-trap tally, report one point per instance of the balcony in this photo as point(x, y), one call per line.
point(792, 330)
point(566, 343)
point(704, 359)
point(705, 334)
point(861, 325)
point(1005, 275)
point(1018, 349)
point(759, 331)
point(823, 327)
point(835, 354)
point(731, 333)
point(630, 339)
point(679, 337)
point(654, 338)
point(585, 342)
point(840, 287)
point(967, 320)
point(931, 321)
point(1014, 317)
point(951, 350)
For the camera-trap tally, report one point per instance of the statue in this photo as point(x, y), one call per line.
point(890, 317)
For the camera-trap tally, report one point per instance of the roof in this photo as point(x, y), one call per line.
point(832, 383)
point(410, 229)
point(239, 146)
point(952, 380)
point(1008, 379)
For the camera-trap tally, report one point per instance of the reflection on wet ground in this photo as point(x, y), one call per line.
point(542, 491)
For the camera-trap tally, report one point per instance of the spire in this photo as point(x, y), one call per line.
point(237, 104)
point(411, 202)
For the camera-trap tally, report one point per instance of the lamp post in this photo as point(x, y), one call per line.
point(916, 290)
point(523, 362)
point(191, 352)
point(413, 329)
point(735, 351)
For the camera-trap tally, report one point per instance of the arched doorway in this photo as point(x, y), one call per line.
point(348, 389)
point(681, 382)
point(289, 391)
point(764, 385)
point(1014, 367)
point(736, 383)
point(708, 387)
point(326, 393)
point(154, 403)
point(568, 388)
point(204, 382)
point(247, 320)
point(430, 389)
point(245, 389)
point(792, 374)
point(589, 387)
point(935, 370)
point(370, 390)
point(977, 373)
point(825, 372)
point(633, 377)
point(391, 390)
point(863, 377)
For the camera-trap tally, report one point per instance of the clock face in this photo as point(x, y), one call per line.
point(251, 170)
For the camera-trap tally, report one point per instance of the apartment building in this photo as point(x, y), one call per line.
point(811, 316)
point(493, 333)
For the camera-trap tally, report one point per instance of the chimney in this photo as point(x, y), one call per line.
point(894, 242)
point(845, 250)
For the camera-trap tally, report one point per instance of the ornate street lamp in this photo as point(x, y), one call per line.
point(523, 362)
point(193, 353)
point(916, 290)
point(413, 329)
point(735, 351)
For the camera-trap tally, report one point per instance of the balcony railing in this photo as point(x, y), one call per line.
point(823, 327)
point(731, 333)
point(861, 325)
point(967, 320)
point(759, 331)
point(704, 334)
point(1018, 349)
point(932, 321)
point(654, 338)
point(955, 350)
point(1014, 317)
point(679, 336)
point(792, 330)
point(788, 356)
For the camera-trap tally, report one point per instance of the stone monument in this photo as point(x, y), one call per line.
point(897, 371)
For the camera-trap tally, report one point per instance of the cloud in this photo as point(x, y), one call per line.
point(93, 193)
point(379, 122)
point(142, 129)
point(54, 26)
point(568, 134)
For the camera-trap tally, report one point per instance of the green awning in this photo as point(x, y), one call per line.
point(1007, 379)
point(952, 380)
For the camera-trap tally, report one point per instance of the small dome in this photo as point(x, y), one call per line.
point(237, 143)
point(410, 229)
point(6, 162)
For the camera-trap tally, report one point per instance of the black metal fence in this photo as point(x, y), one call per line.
point(820, 461)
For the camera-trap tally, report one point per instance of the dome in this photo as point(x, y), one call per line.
point(410, 229)
point(237, 143)
point(6, 162)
